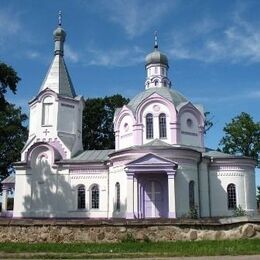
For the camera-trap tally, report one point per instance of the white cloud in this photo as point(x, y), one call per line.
point(209, 40)
point(9, 25)
point(33, 54)
point(71, 54)
point(116, 58)
point(136, 16)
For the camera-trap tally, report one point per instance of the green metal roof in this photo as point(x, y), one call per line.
point(93, 156)
point(157, 142)
point(172, 95)
point(216, 154)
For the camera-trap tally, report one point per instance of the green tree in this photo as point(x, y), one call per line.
point(98, 129)
point(8, 80)
point(12, 137)
point(13, 133)
point(242, 137)
point(208, 123)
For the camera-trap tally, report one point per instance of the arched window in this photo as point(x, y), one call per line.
point(47, 111)
point(191, 195)
point(94, 197)
point(149, 126)
point(231, 196)
point(117, 196)
point(156, 83)
point(162, 126)
point(81, 197)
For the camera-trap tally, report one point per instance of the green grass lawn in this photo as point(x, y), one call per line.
point(132, 249)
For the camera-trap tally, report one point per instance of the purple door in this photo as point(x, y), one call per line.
point(153, 200)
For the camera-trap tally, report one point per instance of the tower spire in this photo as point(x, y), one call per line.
point(155, 40)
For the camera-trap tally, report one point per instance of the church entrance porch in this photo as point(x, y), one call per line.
point(151, 187)
point(153, 196)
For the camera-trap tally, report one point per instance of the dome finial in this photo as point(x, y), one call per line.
point(60, 18)
point(155, 40)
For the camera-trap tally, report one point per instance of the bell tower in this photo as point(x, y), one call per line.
point(56, 111)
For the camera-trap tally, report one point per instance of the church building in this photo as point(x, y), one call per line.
point(160, 167)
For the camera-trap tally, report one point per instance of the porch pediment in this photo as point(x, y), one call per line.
point(151, 162)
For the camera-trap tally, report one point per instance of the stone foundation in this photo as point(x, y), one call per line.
point(73, 231)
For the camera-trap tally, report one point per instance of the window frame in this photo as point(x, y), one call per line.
point(81, 197)
point(47, 107)
point(231, 196)
point(117, 194)
point(149, 126)
point(192, 194)
point(162, 126)
point(94, 197)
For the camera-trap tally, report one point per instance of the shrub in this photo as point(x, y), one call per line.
point(239, 211)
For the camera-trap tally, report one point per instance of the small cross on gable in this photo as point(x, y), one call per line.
point(46, 131)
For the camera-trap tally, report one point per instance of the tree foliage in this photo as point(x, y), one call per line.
point(8, 80)
point(13, 133)
point(242, 137)
point(12, 137)
point(208, 123)
point(98, 130)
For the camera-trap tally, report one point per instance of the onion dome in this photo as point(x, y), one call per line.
point(59, 34)
point(156, 56)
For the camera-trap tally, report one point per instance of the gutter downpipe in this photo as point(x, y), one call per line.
point(198, 175)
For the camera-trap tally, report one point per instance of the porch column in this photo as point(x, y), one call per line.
point(4, 198)
point(130, 196)
point(171, 195)
point(135, 197)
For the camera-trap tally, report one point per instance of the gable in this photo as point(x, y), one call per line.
point(151, 159)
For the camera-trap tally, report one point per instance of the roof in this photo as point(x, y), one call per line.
point(172, 95)
point(9, 179)
point(157, 142)
point(58, 78)
point(93, 156)
point(217, 154)
point(156, 57)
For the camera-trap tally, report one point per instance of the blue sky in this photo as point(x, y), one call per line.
point(213, 48)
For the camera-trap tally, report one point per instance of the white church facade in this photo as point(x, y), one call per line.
point(159, 168)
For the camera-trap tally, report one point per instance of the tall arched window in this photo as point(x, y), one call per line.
point(162, 126)
point(47, 111)
point(95, 197)
point(231, 196)
point(81, 197)
point(191, 195)
point(149, 126)
point(117, 196)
